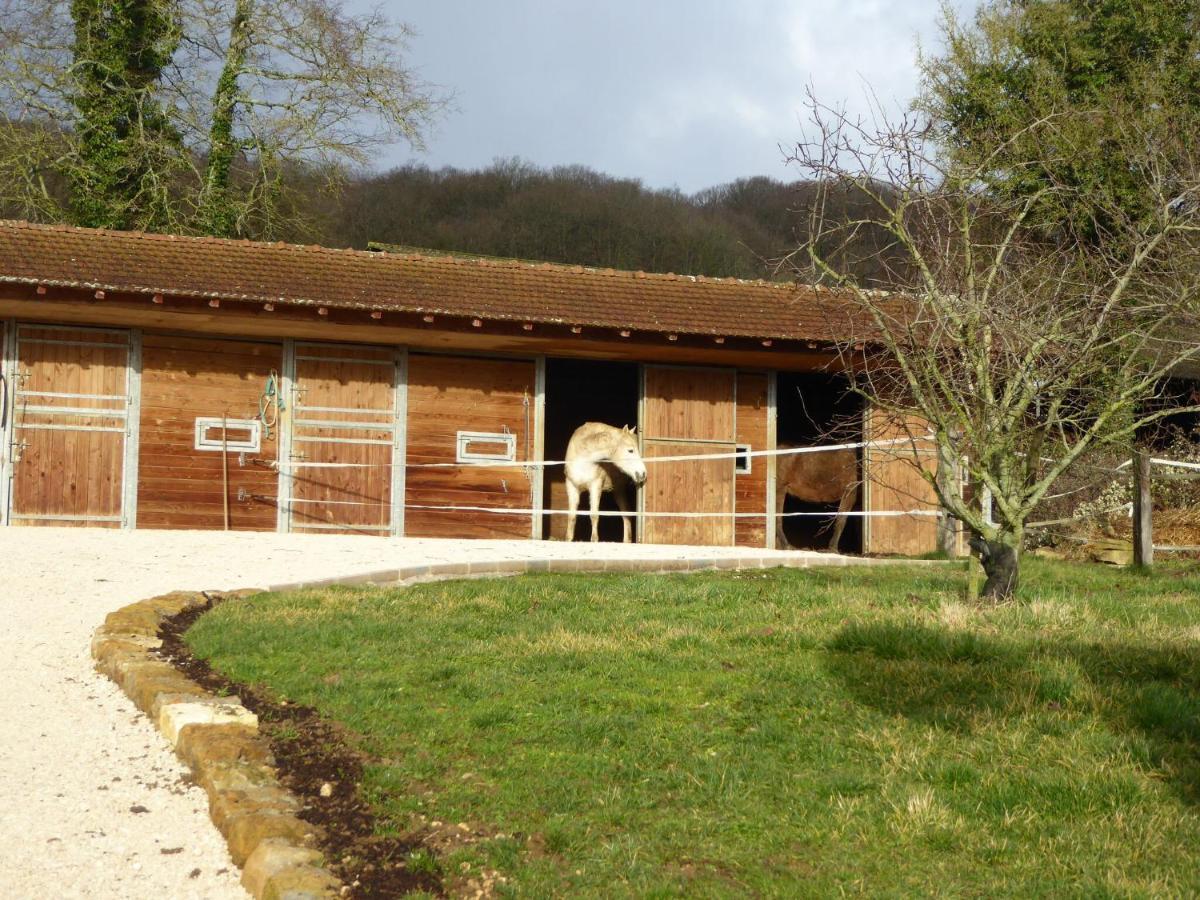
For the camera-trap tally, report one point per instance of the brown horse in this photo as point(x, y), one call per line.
point(830, 476)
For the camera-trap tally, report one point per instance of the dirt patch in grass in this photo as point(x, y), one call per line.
point(316, 764)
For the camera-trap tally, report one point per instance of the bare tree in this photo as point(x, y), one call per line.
point(1018, 344)
point(272, 82)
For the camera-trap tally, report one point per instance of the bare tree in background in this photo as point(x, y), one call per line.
point(1020, 344)
point(289, 80)
point(251, 89)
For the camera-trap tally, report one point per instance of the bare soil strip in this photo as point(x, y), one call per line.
point(317, 765)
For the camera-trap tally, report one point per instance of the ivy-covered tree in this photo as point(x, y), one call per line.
point(190, 115)
point(217, 211)
point(121, 174)
point(263, 85)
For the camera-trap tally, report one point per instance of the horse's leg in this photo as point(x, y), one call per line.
point(595, 492)
point(627, 523)
point(839, 523)
point(572, 508)
point(781, 541)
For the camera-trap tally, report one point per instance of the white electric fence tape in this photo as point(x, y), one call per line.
point(585, 512)
point(1173, 463)
point(545, 463)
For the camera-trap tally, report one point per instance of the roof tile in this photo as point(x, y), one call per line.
point(412, 282)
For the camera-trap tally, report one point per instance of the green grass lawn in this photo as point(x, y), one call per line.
point(787, 733)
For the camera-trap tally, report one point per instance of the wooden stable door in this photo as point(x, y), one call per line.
point(209, 436)
point(894, 458)
point(686, 412)
point(470, 426)
point(345, 439)
point(69, 433)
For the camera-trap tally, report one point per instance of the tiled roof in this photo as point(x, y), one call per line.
point(412, 282)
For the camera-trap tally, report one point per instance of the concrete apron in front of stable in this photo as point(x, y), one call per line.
point(219, 739)
point(649, 565)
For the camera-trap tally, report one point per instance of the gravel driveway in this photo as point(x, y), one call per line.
point(92, 801)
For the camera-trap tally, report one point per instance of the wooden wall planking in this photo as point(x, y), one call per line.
point(751, 487)
point(892, 481)
point(448, 394)
point(184, 378)
point(447, 334)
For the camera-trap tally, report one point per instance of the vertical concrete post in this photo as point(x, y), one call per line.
point(399, 440)
point(8, 371)
point(948, 478)
point(287, 380)
point(1143, 535)
point(537, 474)
point(133, 426)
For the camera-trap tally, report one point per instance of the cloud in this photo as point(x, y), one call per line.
point(675, 92)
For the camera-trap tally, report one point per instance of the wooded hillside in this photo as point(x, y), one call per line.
point(571, 214)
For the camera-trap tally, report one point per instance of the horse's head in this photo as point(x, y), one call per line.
point(625, 455)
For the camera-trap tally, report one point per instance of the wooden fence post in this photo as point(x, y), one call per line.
point(1143, 536)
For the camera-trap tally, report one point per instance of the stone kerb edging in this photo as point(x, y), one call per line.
point(219, 738)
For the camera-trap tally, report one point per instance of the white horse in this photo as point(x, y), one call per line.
point(602, 458)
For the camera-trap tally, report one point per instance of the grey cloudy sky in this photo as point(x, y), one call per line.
point(675, 92)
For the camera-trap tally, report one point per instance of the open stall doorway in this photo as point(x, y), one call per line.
point(813, 409)
point(579, 391)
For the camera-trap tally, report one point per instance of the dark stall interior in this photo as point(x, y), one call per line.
point(1175, 428)
point(815, 408)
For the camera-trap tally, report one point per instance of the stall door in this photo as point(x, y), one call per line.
point(686, 412)
point(346, 404)
point(209, 439)
point(470, 426)
point(70, 426)
point(893, 460)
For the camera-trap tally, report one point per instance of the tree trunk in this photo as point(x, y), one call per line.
point(218, 214)
point(948, 485)
point(1001, 561)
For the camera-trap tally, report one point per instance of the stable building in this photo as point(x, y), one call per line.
point(155, 381)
